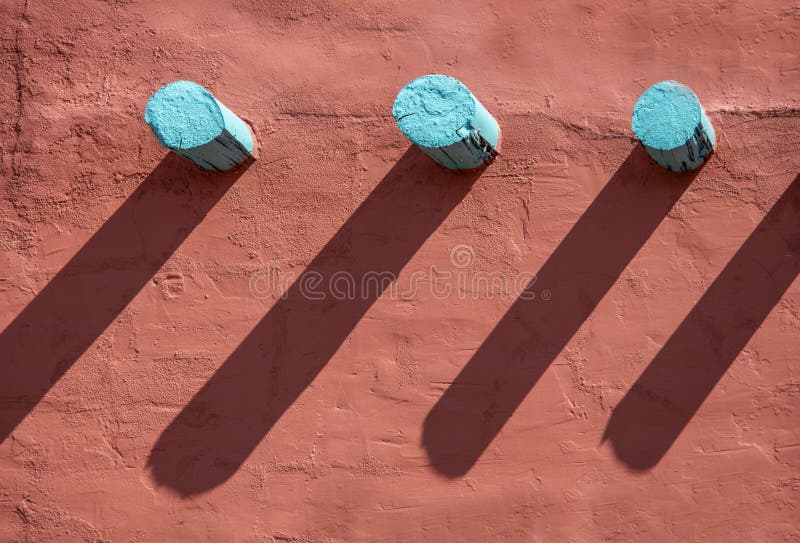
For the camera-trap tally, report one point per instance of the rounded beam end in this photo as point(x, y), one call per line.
point(184, 115)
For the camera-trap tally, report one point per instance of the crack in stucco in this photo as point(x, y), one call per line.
point(19, 68)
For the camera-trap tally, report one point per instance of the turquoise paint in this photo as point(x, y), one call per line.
point(236, 127)
point(445, 120)
point(190, 121)
point(673, 127)
point(487, 125)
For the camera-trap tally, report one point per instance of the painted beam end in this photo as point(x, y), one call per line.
point(190, 121)
point(447, 122)
point(673, 127)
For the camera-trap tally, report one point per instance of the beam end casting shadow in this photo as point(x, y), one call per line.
point(91, 290)
point(657, 408)
point(215, 433)
point(581, 270)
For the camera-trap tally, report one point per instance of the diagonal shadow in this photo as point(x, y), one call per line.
point(88, 293)
point(656, 409)
point(214, 434)
point(581, 270)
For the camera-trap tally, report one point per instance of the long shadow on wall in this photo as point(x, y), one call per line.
point(651, 416)
point(581, 270)
point(88, 293)
point(213, 435)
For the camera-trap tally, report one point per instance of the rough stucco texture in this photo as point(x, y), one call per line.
point(152, 390)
